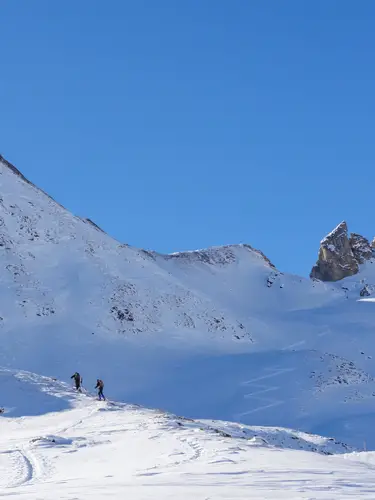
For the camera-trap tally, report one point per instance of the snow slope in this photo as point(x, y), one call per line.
point(104, 450)
point(210, 334)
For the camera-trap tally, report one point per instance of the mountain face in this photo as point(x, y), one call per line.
point(340, 255)
point(216, 333)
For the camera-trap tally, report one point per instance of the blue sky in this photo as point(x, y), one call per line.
point(183, 124)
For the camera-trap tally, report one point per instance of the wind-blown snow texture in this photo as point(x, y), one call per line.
point(211, 334)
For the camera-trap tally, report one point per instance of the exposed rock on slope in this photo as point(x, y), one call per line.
point(361, 248)
point(218, 255)
point(341, 255)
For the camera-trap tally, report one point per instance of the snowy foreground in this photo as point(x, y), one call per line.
point(101, 450)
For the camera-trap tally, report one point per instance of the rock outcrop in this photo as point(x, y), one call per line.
point(361, 248)
point(340, 255)
point(222, 255)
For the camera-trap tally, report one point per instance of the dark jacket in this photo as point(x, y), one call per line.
point(99, 385)
point(77, 378)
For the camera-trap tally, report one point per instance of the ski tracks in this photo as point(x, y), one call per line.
point(261, 389)
point(23, 467)
point(195, 447)
point(14, 469)
point(26, 464)
point(190, 450)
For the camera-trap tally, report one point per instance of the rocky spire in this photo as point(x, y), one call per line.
point(341, 255)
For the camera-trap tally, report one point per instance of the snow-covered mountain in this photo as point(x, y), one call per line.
point(210, 334)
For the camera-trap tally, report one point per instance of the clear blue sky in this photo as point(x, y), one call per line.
point(183, 124)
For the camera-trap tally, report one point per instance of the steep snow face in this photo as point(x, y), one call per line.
point(217, 333)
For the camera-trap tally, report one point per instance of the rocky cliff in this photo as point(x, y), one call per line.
point(340, 254)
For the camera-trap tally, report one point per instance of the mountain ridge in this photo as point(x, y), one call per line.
point(217, 334)
point(207, 253)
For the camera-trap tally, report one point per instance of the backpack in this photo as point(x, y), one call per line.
point(101, 384)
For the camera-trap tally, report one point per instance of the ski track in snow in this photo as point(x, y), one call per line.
point(262, 389)
point(195, 452)
point(294, 345)
point(15, 469)
point(30, 466)
point(26, 467)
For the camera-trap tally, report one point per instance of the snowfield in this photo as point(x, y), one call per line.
point(101, 450)
point(219, 336)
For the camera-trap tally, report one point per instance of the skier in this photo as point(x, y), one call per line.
point(78, 381)
point(100, 387)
